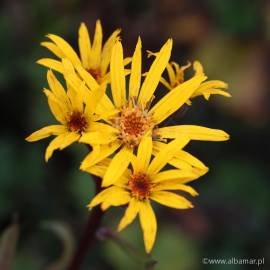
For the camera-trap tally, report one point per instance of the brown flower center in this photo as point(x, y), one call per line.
point(132, 123)
point(140, 186)
point(96, 74)
point(77, 122)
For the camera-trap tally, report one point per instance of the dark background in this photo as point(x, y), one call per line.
point(231, 216)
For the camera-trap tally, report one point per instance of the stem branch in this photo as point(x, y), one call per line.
point(89, 234)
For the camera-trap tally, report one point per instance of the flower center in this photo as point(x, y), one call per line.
point(95, 74)
point(140, 186)
point(77, 122)
point(132, 123)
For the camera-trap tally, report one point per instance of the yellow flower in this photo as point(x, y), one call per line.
point(93, 57)
point(132, 116)
point(144, 182)
point(73, 109)
point(176, 77)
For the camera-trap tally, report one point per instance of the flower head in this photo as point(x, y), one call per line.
point(94, 57)
point(146, 181)
point(176, 76)
point(138, 160)
point(133, 117)
point(74, 109)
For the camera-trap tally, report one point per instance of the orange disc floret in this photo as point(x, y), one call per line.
point(140, 186)
point(77, 122)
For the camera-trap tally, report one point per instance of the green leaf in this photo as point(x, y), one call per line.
point(65, 235)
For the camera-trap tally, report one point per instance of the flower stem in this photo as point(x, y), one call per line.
point(128, 248)
point(89, 234)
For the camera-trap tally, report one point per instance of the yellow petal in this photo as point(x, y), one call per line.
point(144, 155)
point(215, 84)
point(171, 200)
point(60, 142)
point(136, 70)
point(197, 66)
point(70, 138)
point(97, 126)
point(105, 106)
point(110, 192)
point(96, 137)
point(182, 159)
point(93, 98)
point(107, 51)
point(175, 185)
point(46, 132)
point(212, 87)
point(51, 63)
point(152, 79)
point(54, 144)
point(207, 93)
point(100, 100)
point(149, 225)
point(116, 199)
point(53, 48)
point(171, 73)
point(127, 61)
point(97, 46)
point(175, 99)
point(84, 45)
point(165, 83)
point(70, 75)
point(76, 97)
point(71, 93)
point(165, 155)
point(193, 133)
point(100, 168)
point(130, 214)
point(124, 179)
point(117, 166)
point(87, 77)
point(99, 153)
point(118, 76)
point(58, 90)
point(65, 48)
point(106, 116)
point(58, 110)
point(180, 175)
point(189, 159)
point(180, 164)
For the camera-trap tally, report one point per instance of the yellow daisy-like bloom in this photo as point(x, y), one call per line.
point(144, 182)
point(134, 118)
point(94, 57)
point(73, 109)
point(176, 76)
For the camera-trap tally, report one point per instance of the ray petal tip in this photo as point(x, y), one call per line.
point(119, 227)
point(47, 157)
point(39, 61)
point(170, 42)
point(50, 36)
point(89, 206)
point(98, 23)
point(227, 136)
point(82, 24)
point(28, 138)
point(83, 166)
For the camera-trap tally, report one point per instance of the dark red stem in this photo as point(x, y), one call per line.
point(89, 234)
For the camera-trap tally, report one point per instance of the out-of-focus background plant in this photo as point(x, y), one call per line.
point(231, 217)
